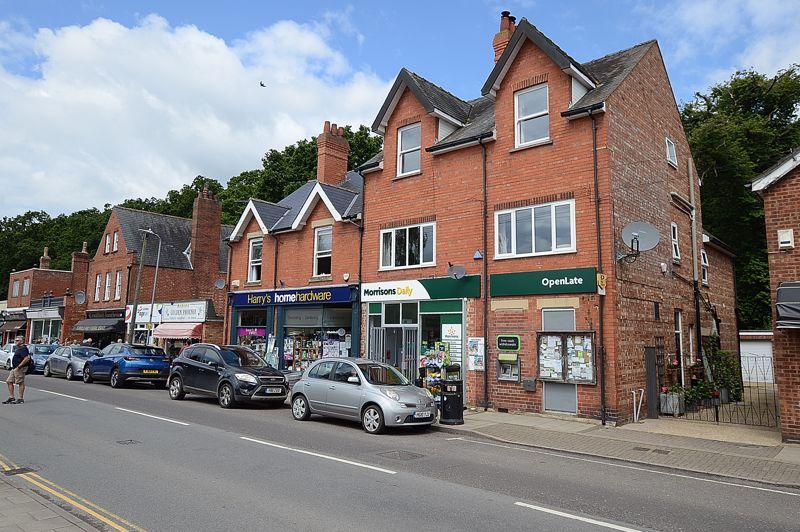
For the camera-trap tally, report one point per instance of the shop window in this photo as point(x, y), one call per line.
point(107, 291)
point(107, 248)
point(26, 287)
point(323, 250)
point(115, 245)
point(252, 318)
point(409, 314)
point(97, 284)
point(409, 143)
point(254, 260)
point(322, 371)
point(532, 117)
point(539, 230)
point(408, 247)
point(118, 286)
point(676, 250)
point(391, 314)
point(704, 266)
point(15, 289)
point(375, 321)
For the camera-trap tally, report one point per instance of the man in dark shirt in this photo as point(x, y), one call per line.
point(19, 366)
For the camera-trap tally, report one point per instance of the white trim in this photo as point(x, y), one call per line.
point(26, 286)
point(496, 85)
point(555, 251)
point(672, 161)
point(317, 231)
point(766, 180)
point(422, 263)
point(573, 71)
point(374, 169)
point(250, 261)
point(519, 119)
point(15, 288)
point(97, 284)
point(676, 247)
point(400, 151)
point(441, 114)
point(238, 231)
point(755, 333)
point(389, 110)
point(704, 267)
point(107, 247)
point(560, 309)
point(118, 286)
point(311, 202)
point(107, 288)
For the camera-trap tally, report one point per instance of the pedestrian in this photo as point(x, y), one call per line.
point(19, 366)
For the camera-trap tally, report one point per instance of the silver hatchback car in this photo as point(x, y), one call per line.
point(362, 390)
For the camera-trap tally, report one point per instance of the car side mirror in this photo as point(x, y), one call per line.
point(353, 380)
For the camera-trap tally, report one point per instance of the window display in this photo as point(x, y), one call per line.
point(315, 332)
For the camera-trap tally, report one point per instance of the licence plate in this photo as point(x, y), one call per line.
point(274, 390)
point(422, 415)
point(150, 371)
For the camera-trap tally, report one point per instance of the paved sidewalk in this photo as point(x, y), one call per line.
point(773, 464)
point(22, 509)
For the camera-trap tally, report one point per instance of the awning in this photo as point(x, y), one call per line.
point(43, 314)
point(179, 330)
point(12, 325)
point(788, 306)
point(99, 325)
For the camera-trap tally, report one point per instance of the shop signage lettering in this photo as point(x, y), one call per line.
point(508, 342)
point(468, 286)
point(394, 291)
point(567, 281)
point(300, 296)
point(561, 281)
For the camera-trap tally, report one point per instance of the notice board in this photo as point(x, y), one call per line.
point(566, 357)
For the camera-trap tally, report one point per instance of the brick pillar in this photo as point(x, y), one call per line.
point(332, 152)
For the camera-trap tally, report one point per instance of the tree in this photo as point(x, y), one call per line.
point(736, 131)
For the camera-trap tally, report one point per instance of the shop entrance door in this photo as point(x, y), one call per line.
point(410, 350)
point(377, 341)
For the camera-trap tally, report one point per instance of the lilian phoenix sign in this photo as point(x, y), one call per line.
point(567, 281)
point(299, 296)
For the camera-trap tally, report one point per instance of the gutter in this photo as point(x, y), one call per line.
point(588, 110)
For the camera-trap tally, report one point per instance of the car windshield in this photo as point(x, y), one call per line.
point(147, 351)
point(382, 375)
point(84, 352)
point(42, 349)
point(242, 358)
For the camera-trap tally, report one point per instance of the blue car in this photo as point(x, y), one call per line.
point(40, 354)
point(120, 363)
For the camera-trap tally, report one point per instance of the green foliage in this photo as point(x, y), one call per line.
point(737, 130)
point(725, 369)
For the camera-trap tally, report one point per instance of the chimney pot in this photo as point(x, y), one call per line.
point(327, 127)
point(341, 132)
point(333, 129)
point(85, 248)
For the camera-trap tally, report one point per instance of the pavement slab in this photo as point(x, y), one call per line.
point(23, 509)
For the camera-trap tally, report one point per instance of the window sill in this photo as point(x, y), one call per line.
point(403, 176)
point(674, 165)
point(253, 283)
point(400, 268)
point(320, 278)
point(535, 255)
point(543, 142)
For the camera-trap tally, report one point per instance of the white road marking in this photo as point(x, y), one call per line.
point(64, 395)
point(152, 416)
point(623, 466)
point(318, 455)
point(577, 517)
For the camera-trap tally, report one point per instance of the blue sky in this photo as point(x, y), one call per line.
point(133, 98)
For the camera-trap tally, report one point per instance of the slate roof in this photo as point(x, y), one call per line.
point(441, 99)
point(479, 124)
point(175, 233)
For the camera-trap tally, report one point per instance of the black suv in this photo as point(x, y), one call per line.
point(231, 373)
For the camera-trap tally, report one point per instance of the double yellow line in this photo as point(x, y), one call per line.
point(101, 514)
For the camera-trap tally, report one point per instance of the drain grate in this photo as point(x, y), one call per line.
point(661, 451)
point(128, 442)
point(18, 471)
point(401, 455)
point(643, 449)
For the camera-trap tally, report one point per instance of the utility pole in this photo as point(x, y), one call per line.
point(132, 325)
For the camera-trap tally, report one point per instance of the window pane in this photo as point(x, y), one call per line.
point(534, 129)
point(427, 244)
point(256, 253)
point(504, 233)
point(524, 232)
point(386, 258)
point(410, 162)
point(532, 102)
point(392, 314)
point(558, 320)
point(563, 229)
point(324, 265)
point(324, 239)
point(255, 273)
point(413, 245)
point(410, 138)
point(400, 247)
point(543, 229)
point(409, 313)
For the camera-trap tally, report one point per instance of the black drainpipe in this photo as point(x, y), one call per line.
point(485, 283)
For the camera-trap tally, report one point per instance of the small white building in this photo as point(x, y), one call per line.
point(756, 351)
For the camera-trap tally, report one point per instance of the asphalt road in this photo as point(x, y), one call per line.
point(197, 467)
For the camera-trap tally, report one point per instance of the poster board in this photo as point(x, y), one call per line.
point(566, 357)
point(475, 353)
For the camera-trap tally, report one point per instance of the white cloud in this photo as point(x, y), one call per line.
point(118, 112)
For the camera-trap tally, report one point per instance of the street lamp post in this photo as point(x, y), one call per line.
point(155, 275)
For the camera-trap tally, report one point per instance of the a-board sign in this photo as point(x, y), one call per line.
point(508, 342)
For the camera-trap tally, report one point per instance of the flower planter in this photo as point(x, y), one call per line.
point(672, 403)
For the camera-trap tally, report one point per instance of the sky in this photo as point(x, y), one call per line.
point(104, 100)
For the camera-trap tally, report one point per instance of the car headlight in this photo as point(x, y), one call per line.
point(246, 377)
point(391, 394)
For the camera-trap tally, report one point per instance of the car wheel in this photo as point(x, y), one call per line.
point(87, 374)
point(176, 389)
point(116, 379)
point(70, 373)
point(300, 409)
point(225, 396)
point(46, 371)
point(372, 420)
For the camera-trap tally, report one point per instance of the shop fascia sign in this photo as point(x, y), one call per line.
point(183, 312)
point(299, 296)
point(143, 313)
point(566, 281)
point(468, 286)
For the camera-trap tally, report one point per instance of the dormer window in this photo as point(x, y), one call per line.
point(409, 144)
point(532, 119)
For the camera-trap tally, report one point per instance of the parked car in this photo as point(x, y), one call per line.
point(362, 390)
point(68, 361)
point(231, 373)
point(120, 363)
point(40, 353)
point(6, 353)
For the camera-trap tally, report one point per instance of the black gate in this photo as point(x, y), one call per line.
point(654, 366)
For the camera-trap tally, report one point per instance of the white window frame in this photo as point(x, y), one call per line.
point(107, 290)
point(422, 263)
point(97, 284)
point(555, 251)
point(672, 154)
point(322, 254)
point(704, 267)
point(118, 286)
point(401, 152)
point(519, 119)
point(26, 286)
point(676, 248)
point(108, 244)
point(115, 245)
point(254, 262)
point(15, 288)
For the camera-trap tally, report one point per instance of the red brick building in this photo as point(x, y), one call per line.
point(192, 265)
point(779, 188)
point(511, 205)
point(295, 265)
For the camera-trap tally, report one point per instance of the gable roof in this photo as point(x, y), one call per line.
point(776, 172)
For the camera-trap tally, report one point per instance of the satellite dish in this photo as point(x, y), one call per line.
point(456, 272)
point(219, 284)
point(80, 297)
point(638, 237)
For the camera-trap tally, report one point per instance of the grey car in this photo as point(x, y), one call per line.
point(68, 361)
point(373, 393)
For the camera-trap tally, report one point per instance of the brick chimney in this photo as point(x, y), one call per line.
point(80, 268)
point(44, 260)
point(206, 238)
point(332, 152)
point(507, 27)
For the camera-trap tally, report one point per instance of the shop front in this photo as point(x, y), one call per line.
point(102, 327)
point(14, 324)
point(542, 326)
point(173, 325)
point(45, 317)
point(418, 326)
point(293, 327)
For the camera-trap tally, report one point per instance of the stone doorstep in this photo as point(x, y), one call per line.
point(781, 479)
point(28, 510)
